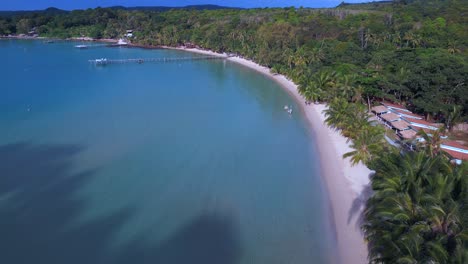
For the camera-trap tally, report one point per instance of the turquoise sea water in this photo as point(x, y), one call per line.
point(188, 162)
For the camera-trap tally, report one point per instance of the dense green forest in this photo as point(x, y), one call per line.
point(409, 51)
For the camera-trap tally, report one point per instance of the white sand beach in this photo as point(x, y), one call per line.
point(199, 51)
point(348, 186)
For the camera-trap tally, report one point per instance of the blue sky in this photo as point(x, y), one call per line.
point(81, 4)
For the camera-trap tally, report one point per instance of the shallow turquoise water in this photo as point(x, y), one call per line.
point(189, 162)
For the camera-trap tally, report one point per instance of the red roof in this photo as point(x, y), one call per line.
point(428, 131)
point(390, 117)
point(407, 113)
point(394, 105)
point(456, 154)
point(455, 144)
point(379, 109)
point(407, 134)
point(400, 124)
point(421, 122)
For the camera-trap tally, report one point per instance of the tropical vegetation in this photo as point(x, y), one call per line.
point(418, 212)
point(409, 51)
point(412, 51)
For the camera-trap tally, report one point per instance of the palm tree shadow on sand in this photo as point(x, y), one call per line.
point(359, 204)
point(38, 212)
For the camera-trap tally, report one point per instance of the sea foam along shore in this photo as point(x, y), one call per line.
point(348, 186)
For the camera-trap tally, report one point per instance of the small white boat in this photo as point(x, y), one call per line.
point(101, 61)
point(286, 107)
point(81, 46)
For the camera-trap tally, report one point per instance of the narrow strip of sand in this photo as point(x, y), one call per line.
point(348, 186)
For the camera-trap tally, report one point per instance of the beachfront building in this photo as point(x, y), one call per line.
point(407, 124)
point(404, 132)
point(407, 134)
point(129, 33)
point(391, 119)
point(393, 106)
point(418, 124)
point(388, 118)
point(407, 114)
point(400, 125)
point(455, 150)
point(380, 109)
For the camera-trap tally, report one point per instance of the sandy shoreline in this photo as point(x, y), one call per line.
point(347, 186)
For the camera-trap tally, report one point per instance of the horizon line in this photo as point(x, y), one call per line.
point(182, 6)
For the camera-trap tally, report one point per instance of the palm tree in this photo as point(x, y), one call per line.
point(289, 55)
point(337, 113)
point(452, 118)
point(412, 40)
point(372, 38)
point(357, 94)
point(452, 47)
point(317, 55)
point(401, 77)
point(301, 59)
point(299, 73)
point(350, 118)
point(304, 79)
point(326, 82)
point(431, 142)
point(366, 146)
point(358, 121)
point(397, 39)
point(415, 214)
point(313, 93)
point(345, 85)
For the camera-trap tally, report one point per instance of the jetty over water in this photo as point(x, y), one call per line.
point(104, 61)
point(84, 46)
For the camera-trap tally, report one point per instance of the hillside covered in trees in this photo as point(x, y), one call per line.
point(413, 52)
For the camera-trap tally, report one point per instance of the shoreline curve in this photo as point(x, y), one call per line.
point(348, 187)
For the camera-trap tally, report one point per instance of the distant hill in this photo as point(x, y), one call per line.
point(374, 5)
point(166, 8)
point(49, 11)
point(56, 11)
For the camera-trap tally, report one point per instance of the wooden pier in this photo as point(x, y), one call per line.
point(104, 61)
point(92, 46)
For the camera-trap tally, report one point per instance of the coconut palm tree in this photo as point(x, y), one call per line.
point(313, 93)
point(357, 94)
point(345, 85)
point(453, 117)
point(317, 55)
point(301, 57)
point(366, 146)
point(304, 80)
point(452, 47)
point(397, 39)
point(358, 121)
point(412, 40)
point(337, 113)
point(416, 212)
point(289, 55)
point(325, 81)
point(431, 142)
point(351, 118)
